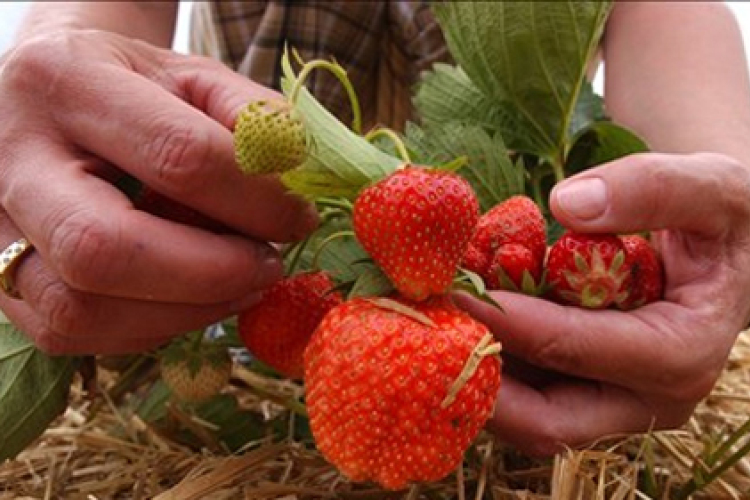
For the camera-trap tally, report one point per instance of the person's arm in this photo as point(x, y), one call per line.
point(153, 22)
point(677, 75)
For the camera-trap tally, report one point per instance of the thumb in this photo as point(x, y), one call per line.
point(702, 193)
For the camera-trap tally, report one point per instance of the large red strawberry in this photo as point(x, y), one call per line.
point(382, 391)
point(647, 274)
point(277, 329)
point(510, 241)
point(588, 270)
point(416, 224)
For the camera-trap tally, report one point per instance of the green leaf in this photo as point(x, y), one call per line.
point(601, 142)
point(489, 169)
point(232, 425)
point(530, 58)
point(34, 389)
point(338, 255)
point(339, 161)
point(372, 282)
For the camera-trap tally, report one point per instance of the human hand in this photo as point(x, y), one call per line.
point(80, 109)
point(574, 375)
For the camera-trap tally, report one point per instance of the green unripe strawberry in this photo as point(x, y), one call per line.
point(269, 138)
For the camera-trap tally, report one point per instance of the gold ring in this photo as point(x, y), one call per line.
point(9, 260)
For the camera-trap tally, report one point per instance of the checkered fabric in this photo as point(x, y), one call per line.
point(384, 45)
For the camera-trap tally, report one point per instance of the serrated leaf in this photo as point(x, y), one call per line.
point(530, 58)
point(489, 169)
point(34, 389)
point(339, 161)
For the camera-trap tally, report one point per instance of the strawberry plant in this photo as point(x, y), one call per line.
point(398, 380)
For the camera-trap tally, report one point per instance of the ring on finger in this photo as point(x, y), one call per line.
point(9, 260)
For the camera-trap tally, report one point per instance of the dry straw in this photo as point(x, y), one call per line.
point(110, 454)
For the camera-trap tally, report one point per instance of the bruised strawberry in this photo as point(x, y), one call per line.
point(268, 138)
point(416, 224)
point(588, 270)
point(277, 329)
point(157, 204)
point(647, 274)
point(382, 395)
point(510, 242)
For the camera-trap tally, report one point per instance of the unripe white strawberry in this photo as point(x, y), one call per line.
point(194, 377)
point(269, 138)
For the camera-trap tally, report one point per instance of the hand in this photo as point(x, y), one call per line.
point(81, 109)
point(574, 375)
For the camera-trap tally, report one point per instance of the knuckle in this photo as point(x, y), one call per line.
point(58, 309)
point(29, 62)
point(84, 249)
point(177, 153)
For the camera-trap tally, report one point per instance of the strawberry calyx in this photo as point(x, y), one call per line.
point(596, 285)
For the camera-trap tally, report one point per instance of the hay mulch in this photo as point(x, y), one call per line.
point(97, 450)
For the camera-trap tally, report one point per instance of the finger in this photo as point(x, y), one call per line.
point(576, 414)
point(89, 235)
point(64, 321)
point(33, 326)
point(652, 349)
point(172, 145)
point(703, 193)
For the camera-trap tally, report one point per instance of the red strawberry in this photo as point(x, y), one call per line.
point(510, 239)
point(277, 329)
point(514, 267)
point(416, 224)
point(381, 392)
point(647, 281)
point(157, 204)
point(588, 270)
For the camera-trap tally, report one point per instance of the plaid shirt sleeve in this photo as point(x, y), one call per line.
point(383, 45)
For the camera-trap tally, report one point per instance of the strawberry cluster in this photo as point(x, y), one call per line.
point(509, 251)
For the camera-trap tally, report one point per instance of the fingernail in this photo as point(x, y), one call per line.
point(584, 199)
point(246, 302)
point(270, 269)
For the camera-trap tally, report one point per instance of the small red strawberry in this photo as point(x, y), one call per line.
point(647, 274)
point(510, 240)
point(157, 204)
point(416, 224)
point(277, 329)
point(195, 374)
point(588, 270)
point(514, 267)
point(382, 395)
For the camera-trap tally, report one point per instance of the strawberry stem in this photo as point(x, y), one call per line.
point(325, 242)
point(340, 73)
point(393, 136)
point(481, 351)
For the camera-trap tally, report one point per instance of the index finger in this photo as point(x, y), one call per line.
point(160, 131)
point(657, 348)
